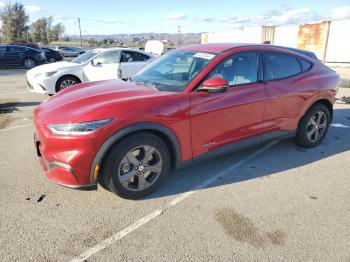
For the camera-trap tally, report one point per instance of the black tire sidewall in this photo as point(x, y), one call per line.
point(301, 137)
point(59, 82)
point(110, 178)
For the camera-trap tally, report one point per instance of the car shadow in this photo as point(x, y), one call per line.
point(10, 107)
point(282, 157)
point(12, 71)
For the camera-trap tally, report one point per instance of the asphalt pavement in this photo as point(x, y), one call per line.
point(277, 202)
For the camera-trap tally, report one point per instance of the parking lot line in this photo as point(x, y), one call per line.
point(146, 219)
point(18, 93)
point(14, 127)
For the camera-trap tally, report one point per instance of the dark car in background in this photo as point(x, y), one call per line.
point(70, 51)
point(52, 55)
point(17, 55)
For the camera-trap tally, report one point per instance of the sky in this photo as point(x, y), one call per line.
point(193, 16)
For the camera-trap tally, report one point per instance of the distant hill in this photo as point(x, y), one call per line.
point(140, 39)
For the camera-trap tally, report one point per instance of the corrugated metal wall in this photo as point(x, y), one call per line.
point(313, 37)
point(268, 34)
point(330, 41)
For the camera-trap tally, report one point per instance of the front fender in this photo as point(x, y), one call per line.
point(131, 129)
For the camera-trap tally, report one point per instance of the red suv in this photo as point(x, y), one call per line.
point(190, 104)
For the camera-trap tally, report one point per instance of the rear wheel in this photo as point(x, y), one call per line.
point(136, 166)
point(313, 126)
point(29, 63)
point(52, 60)
point(65, 82)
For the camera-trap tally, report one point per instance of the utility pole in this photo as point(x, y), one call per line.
point(179, 35)
point(81, 39)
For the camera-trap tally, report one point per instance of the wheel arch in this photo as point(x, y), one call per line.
point(324, 101)
point(159, 130)
point(70, 75)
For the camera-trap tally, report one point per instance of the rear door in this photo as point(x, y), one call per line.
point(2, 55)
point(131, 62)
point(14, 55)
point(218, 119)
point(282, 75)
point(103, 67)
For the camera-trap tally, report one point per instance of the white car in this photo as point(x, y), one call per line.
point(94, 65)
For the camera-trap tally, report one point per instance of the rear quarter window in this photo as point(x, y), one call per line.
point(305, 65)
point(279, 66)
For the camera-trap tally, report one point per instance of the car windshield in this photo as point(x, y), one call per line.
point(174, 70)
point(85, 57)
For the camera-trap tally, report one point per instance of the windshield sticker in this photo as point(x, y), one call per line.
point(204, 56)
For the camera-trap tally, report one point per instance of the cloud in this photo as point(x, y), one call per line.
point(2, 4)
point(33, 8)
point(203, 19)
point(342, 12)
point(280, 17)
point(176, 16)
point(108, 21)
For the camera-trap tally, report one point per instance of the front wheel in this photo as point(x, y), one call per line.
point(313, 126)
point(65, 82)
point(136, 166)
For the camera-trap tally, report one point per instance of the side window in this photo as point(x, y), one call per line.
point(278, 66)
point(108, 58)
point(305, 65)
point(2, 49)
point(129, 56)
point(15, 49)
point(241, 68)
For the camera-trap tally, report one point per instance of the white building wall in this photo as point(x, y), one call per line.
point(286, 36)
point(338, 48)
point(244, 35)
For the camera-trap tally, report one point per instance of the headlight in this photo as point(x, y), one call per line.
point(46, 74)
point(78, 128)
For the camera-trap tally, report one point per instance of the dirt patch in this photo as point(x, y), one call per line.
point(242, 229)
point(277, 237)
point(5, 120)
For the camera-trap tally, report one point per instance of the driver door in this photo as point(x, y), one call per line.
point(103, 67)
point(219, 119)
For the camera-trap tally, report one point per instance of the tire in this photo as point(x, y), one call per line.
point(52, 60)
point(29, 63)
point(65, 82)
point(313, 126)
point(127, 161)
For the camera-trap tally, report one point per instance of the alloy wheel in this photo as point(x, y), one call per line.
point(140, 168)
point(67, 83)
point(29, 63)
point(316, 126)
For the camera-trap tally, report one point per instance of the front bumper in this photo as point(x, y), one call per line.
point(41, 85)
point(61, 163)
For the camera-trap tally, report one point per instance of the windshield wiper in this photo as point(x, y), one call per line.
point(149, 84)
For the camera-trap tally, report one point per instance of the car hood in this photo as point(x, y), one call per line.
point(92, 101)
point(51, 67)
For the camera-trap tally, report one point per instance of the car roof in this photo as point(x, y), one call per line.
point(223, 47)
point(101, 49)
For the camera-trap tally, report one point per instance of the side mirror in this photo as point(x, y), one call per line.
point(93, 63)
point(214, 85)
